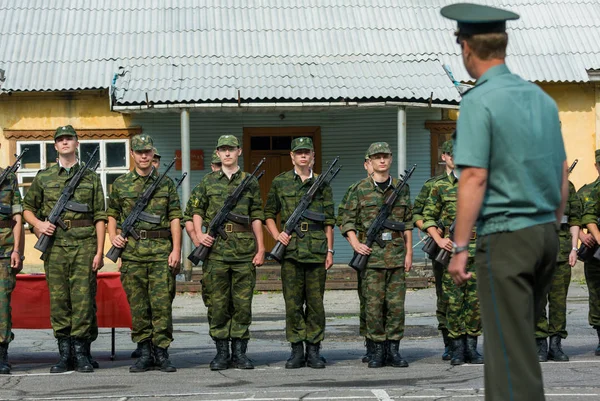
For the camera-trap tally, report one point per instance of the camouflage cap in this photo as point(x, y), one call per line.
point(156, 154)
point(597, 155)
point(228, 140)
point(142, 142)
point(215, 158)
point(448, 147)
point(302, 143)
point(366, 156)
point(66, 130)
point(378, 147)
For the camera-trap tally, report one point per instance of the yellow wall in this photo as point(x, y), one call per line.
point(577, 109)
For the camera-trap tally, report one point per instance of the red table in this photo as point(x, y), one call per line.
point(31, 303)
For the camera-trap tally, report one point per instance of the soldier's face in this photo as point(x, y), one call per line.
point(302, 157)
point(66, 145)
point(449, 160)
point(156, 162)
point(381, 162)
point(142, 158)
point(229, 155)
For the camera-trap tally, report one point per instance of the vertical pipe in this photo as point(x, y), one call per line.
point(401, 152)
point(185, 186)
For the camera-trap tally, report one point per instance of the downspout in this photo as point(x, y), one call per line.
point(401, 153)
point(186, 245)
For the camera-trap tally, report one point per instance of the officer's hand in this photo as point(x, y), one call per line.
point(118, 241)
point(284, 238)
point(445, 243)
point(45, 227)
point(361, 248)
point(259, 258)
point(328, 260)
point(98, 262)
point(572, 257)
point(206, 239)
point(15, 261)
point(174, 259)
point(458, 268)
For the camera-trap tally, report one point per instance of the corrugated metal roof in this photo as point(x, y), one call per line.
point(78, 44)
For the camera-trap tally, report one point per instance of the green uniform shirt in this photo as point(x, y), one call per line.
point(362, 207)
point(422, 198)
point(286, 191)
point(125, 192)
point(573, 211)
point(207, 199)
point(510, 127)
point(46, 189)
point(589, 200)
point(11, 197)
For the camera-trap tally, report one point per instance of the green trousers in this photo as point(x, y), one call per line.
point(463, 315)
point(555, 321)
point(441, 306)
point(514, 273)
point(592, 277)
point(384, 291)
point(8, 281)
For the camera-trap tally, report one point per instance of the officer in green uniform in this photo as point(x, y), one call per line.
point(438, 269)
point(384, 283)
point(362, 317)
point(463, 319)
point(306, 260)
point(589, 195)
point(75, 254)
point(229, 272)
point(11, 260)
point(513, 181)
point(148, 263)
point(554, 324)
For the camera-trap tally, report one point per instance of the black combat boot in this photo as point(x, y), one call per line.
point(4, 365)
point(369, 346)
point(447, 355)
point(471, 354)
point(597, 353)
point(458, 350)
point(313, 358)
point(393, 357)
point(146, 361)
point(137, 352)
point(221, 360)
point(378, 355)
point(64, 349)
point(296, 359)
point(239, 359)
point(555, 353)
point(82, 362)
point(88, 349)
point(162, 361)
point(542, 349)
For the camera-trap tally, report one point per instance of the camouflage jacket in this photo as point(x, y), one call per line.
point(46, 189)
point(165, 203)
point(207, 199)
point(588, 195)
point(361, 208)
point(573, 211)
point(285, 193)
point(420, 200)
point(441, 205)
point(11, 197)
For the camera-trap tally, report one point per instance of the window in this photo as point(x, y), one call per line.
point(114, 159)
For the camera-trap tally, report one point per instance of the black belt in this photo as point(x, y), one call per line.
point(154, 234)
point(231, 227)
point(473, 234)
point(394, 235)
point(7, 223)
point(78, 223)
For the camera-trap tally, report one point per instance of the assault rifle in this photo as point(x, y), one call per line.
point(216, 225)
point(293, 223)
point(374, 233)
point(64, 203)
point(573, 165)
point(180, 180)
point(7, 209)
point(137, 213)
point(443, 257)
point(430, 247)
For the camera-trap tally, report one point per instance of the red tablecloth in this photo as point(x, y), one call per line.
point(31, 302)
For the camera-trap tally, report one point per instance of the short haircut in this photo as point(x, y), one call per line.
point(487, 46)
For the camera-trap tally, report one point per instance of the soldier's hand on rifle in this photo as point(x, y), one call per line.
point(118, 241)
point(284, 238)
point(174, 259)
point(361, 248)
point(445, 243)
point(98, 262)
point(45, 227)
point(587, 239)
point(206, 239)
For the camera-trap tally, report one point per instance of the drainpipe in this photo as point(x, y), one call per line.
point(186, 187)
point(401, 153)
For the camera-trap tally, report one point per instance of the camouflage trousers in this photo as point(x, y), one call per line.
point(592, 277)
point(441, 302)
point(384, 291)
point(148, 289)
point(303, 290)
point(205, 295)
point(94, 290)
point(555, 321)
point(230, 287)
point(362, 318)
point(463, 315)
point(8, 281)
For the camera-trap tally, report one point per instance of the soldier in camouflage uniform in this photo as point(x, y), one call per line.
point(590, 197)
point(554, 324)
point(215, 162)
point(75, 254)
point(384, 283)
point(11, 260)
point(463, 319)
point(438, 269)
point(305, 260)
point(230, 268)
point(148, 263)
